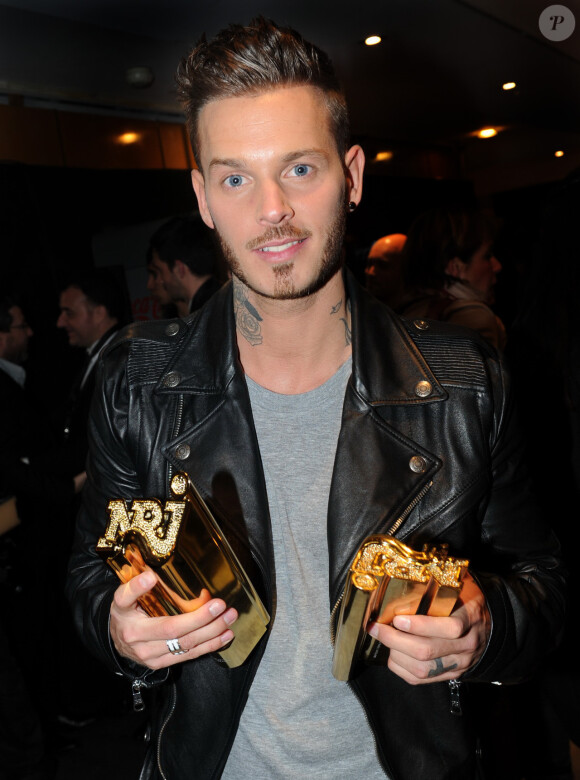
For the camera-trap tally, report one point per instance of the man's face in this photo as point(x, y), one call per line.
point(14, 343)
point(160, 279)
point(275, 189)
point(79, 317)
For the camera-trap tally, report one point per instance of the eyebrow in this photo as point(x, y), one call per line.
point(231, 162)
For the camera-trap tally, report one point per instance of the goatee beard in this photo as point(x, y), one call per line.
point(284, 282)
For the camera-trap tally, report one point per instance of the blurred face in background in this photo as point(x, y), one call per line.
point(160, 279)
point(81, 319)
point(14, 342)
point(481, 271)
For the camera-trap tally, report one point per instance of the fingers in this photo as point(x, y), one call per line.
point(126, 595)
point(424, 659)
point(426, 649)
point(144, 639)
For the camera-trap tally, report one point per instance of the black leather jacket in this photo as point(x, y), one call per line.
point(427, 442)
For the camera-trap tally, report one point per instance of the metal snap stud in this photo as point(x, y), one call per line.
point(183, 452)
point(172, 329)
point(421, 324)
point(423, 388)
point(172, 379)
point(418, 464)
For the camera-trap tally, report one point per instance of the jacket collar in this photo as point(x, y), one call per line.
point(387, 366)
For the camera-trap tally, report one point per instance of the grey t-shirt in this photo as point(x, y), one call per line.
point(299, 721)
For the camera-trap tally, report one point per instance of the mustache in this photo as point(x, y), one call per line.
point(277, 233)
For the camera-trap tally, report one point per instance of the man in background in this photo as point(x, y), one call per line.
point(92, 309)
point(181, 264)
point(384, 275)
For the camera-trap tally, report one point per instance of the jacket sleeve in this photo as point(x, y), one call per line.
point(525, 584)
point(110, 473)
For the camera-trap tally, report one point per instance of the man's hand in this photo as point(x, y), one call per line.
point(144, 639)
point(432, 649)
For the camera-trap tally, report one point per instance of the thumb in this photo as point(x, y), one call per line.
point(127, 595)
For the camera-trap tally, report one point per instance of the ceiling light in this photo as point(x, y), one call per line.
point(487, 132)
point(372, 40)
point(128, 138)
point(559, 153)
point(140, 77)
point(509, 85)
point(382, 156)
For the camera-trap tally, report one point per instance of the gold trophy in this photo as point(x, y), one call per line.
point(181, 542)
point(388, 578)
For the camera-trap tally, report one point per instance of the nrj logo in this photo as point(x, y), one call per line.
point(556, 22)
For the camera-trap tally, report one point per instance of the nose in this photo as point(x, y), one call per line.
point(60, 321)
point(370, 270)
point(273, 206)
point(495, 264)
point(150, 283)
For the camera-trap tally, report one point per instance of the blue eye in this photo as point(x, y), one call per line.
point(301, 169)
point(235, 180)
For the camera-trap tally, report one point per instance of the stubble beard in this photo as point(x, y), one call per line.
point(284, 283)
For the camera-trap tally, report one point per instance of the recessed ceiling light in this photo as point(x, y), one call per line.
point(382, 156)
point(559, 153)
point(509, 85)
point(372, 40)
point(487, 132)
point(128, 138)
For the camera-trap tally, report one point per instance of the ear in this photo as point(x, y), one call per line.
point(199, 189)
point(179, 269)
point(455, 268)
point(100, 313)
point(354, 163)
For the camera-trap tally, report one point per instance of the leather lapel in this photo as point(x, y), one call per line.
point(378, 470)
point(216, 444)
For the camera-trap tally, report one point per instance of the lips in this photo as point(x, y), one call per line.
point(273, 248)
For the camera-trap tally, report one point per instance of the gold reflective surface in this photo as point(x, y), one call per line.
point(388, 578)
point(181, 542)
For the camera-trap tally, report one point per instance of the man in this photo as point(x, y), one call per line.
point(308, 417)
point(384, 274)
point(24, 434)
point(181, 264)
point(92, 309)
point(26, 474)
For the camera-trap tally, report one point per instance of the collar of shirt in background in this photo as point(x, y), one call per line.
point(94, 351)
point(17, 373)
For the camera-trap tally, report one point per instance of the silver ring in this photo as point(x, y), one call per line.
point(174, 647)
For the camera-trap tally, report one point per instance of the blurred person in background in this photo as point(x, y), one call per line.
point(450, 271)
point(384, 275)
point(181, 264)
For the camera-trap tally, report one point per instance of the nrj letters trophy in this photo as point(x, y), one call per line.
point(181, 542)
point(388, 578)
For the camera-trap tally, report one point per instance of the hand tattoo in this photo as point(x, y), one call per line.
point(440, 669)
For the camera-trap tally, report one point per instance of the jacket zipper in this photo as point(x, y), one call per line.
point(395, 527)
point(455, 694)
point(174, 435)
point(162, 729)
point(366, 717)
point(403, 516)
point(136, 686)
